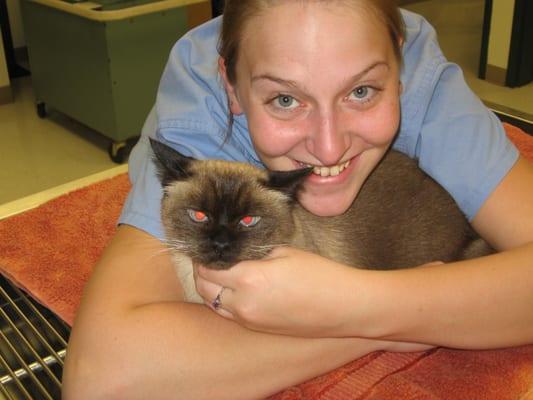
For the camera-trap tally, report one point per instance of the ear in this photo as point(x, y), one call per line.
point(288, 182)
point(171, 165)
point(233, 100)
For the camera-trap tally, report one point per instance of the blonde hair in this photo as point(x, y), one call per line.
point(238, 12)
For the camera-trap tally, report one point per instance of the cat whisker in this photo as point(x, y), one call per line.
point(188, 249)
point(173, 241)
point(155, 251)
point(258, 247)
point(179, 245)
point(160, 252)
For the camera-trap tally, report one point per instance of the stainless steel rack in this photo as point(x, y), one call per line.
point(33, 344)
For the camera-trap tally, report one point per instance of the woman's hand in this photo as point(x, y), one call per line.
point(290, 292)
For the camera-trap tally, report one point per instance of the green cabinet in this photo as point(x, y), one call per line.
point(100, 63)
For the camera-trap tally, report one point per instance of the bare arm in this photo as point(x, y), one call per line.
point(133, 337)
point(485, 302)
point(477, 304)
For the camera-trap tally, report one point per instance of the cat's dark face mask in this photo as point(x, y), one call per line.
point(219, 213)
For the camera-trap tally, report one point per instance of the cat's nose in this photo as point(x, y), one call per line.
point(221, 241)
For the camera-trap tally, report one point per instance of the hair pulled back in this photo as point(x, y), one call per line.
point(238, 12)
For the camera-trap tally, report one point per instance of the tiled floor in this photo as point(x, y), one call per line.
point(37, 154)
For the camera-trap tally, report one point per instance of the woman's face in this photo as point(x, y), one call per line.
point(319, 85)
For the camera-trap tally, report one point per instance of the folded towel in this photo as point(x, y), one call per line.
point(50, 251)
point(439, 374)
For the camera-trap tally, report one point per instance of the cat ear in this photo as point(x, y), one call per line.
point(288, 182)
point(171, 165)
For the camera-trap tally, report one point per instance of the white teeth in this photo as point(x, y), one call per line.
point(329, 171)
point(334, 171)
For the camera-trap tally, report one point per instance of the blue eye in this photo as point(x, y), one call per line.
point(361, 92)
point(364, 94)
point(286, 101)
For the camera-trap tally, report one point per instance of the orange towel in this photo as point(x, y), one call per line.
point(50, 251)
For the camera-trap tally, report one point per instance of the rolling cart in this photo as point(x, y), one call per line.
point(100, 63)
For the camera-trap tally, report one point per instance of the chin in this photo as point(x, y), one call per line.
point(325, 206)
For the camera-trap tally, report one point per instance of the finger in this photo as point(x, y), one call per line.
point(225, 313)
point(221, 303)
point(277, 252)
point(433, 263)
point(208, 290)
point(225, 278)
point(222, 311)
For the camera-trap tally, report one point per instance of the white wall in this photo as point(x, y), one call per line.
point(500, 33)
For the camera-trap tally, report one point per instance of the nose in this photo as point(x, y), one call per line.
point(220, 241)
point(329, 141)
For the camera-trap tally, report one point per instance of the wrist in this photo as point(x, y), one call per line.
point(370, 306)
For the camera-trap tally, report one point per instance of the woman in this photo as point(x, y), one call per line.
point(319, 83)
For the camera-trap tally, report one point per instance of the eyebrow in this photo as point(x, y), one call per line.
point(291, 83)
point(273, 78)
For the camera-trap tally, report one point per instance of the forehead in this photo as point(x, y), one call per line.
point(315, 38)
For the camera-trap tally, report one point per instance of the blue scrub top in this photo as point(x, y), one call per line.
point(455, 138)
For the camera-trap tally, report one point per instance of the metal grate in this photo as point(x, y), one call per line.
point(33, 345)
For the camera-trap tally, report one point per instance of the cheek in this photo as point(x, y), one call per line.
point(273, 138)
point(380, 125)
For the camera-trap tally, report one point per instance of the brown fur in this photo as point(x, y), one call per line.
point(401, 218)
point(226, 192)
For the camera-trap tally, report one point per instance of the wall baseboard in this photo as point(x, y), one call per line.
point(496, 75)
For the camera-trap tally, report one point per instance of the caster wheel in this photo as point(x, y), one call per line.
point(118, 152)
point(41, 110)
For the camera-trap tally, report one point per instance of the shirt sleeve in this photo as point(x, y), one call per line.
point(191, 116)
point(143, 203)
point(456, 139)
point(191, 106)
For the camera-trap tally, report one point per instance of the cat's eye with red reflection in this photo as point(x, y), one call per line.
point(197, 216)
point(249, 221)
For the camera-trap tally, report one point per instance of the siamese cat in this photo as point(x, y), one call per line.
point(218, 213)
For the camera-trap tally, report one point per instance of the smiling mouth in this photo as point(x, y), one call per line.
point(327, 171)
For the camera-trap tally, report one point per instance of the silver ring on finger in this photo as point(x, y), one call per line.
point(217, 303)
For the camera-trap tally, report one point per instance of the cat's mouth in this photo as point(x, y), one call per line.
point(326, 171)
point(219, 265)
point(216, 262)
